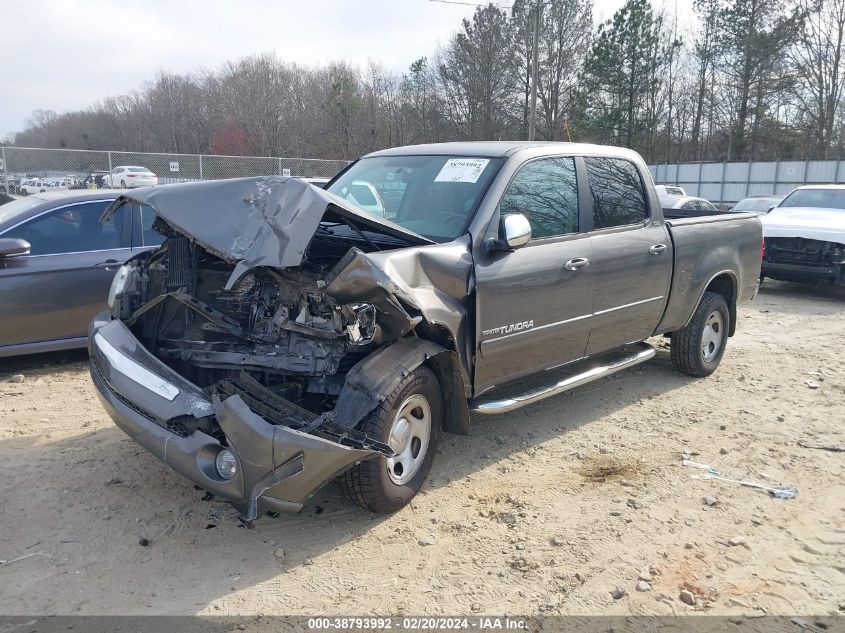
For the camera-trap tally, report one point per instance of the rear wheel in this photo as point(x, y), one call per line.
point(698, 348)
point(123, 184)
point(408, 420)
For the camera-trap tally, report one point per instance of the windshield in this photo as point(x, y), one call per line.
point(755, 204)
point(434, 196)
point(16, 207)
point(821, 198)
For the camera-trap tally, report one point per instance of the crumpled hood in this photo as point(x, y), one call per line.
point(827, 225)
point(261, 221)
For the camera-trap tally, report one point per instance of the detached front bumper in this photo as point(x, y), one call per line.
point(278, 467)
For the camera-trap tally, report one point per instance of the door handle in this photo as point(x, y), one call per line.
point(108, 264)
point(657, 249)
point(577, 263)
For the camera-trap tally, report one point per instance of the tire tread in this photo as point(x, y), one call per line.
point(685, 351)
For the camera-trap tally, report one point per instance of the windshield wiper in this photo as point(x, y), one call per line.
point(361, 233)
point(327, 228)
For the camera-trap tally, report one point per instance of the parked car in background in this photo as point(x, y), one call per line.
point(74, 182)
point(11, 185)
point(670, 190)
point(756, 204)
point(805, 236)
point(95, 180)
point(31, 186)
point(262, 354)
point(56, 263)
point(129, 177)
point(364, 196)
point(686, 207)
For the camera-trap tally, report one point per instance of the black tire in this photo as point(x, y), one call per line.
point(369, 483)
point(689, 354)
point(24, 192)
point(123, 184)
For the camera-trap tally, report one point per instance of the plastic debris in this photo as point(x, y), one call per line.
point(779, 492)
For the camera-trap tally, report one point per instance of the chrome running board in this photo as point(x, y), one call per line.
point(573, 376)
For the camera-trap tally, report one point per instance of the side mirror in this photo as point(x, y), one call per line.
point(13, 246)
point(514, 232)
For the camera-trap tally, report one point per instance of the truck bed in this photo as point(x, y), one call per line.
point(706, 247)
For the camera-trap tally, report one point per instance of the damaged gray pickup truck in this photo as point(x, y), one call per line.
point(285, 335)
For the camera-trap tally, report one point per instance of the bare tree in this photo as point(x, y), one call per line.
point(818, 66)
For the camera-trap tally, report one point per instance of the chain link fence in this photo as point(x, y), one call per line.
point(18, 164)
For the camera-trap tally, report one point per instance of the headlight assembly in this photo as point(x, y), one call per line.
point(124, 280)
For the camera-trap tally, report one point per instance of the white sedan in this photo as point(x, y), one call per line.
point(33, 185)
point(129, 177)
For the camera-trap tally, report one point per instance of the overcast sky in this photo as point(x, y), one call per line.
point(68, 54)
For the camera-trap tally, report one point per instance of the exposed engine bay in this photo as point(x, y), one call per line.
point(824, 260)
point(279, 326)
point(803, 251)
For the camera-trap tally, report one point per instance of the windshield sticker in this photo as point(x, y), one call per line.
point(462, 170)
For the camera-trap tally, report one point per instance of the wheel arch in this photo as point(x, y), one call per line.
point(372, 379)
point(724, 283)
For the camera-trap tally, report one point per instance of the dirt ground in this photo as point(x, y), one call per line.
point(545, 511)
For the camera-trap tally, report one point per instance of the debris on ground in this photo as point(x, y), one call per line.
point(279, 552)
point(821, 447)
point(642, 585)
point(143, 542)
point(16, 378)
point(687, 597)
point(779, 492)
point(617, 593)
point(3, 563)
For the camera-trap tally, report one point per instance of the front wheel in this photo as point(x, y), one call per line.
point(408, 420)
point(698, 348)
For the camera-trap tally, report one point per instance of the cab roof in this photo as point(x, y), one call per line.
point(500, 149)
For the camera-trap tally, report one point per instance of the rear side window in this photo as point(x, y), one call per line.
point(618, 194)
point(546, 192)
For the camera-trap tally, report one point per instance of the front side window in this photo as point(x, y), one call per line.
point(618, 193)
point(434, 196)
point(72, 229)
point(546, 192)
